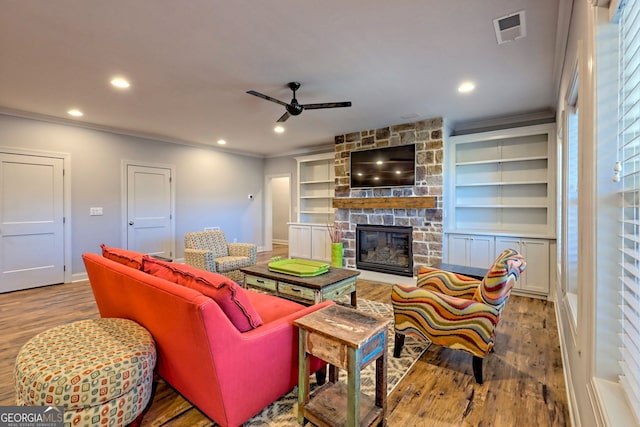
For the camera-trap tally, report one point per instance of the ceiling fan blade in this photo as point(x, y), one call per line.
point(268, 98)
point(326, 105)
point(283, 118)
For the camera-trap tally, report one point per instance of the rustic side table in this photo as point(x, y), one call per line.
point(346, 339)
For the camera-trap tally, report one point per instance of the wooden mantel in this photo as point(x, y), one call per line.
point(384, 202)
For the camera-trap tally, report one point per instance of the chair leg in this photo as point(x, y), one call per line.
point(477, 368)
point(397, 344)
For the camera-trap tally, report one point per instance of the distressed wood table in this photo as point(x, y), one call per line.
point(307, 290)
point(346, 339)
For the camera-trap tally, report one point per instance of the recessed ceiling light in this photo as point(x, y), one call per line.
point(75, 113)
point(466, 87)
point(278, 129)
point(222, 142)
point(120, 83)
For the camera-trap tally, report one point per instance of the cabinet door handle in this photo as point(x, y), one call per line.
point(260, 281)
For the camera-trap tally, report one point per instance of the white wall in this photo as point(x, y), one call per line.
point(211, 186)
point(281, 208)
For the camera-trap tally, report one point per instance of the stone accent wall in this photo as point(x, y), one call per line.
point(427, 223)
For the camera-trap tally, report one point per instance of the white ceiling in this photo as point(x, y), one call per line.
point(191, 62)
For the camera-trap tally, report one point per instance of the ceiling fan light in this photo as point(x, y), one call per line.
point(278, 129)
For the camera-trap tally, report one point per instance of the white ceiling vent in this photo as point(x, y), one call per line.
point(511, 27)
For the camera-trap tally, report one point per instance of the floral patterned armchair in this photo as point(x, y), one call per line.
point(456, 311)
point(209, 250)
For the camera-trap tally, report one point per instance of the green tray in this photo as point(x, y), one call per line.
point(299, 267)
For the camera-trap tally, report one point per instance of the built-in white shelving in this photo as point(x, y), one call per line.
point(501, 193)
point(309, 236)
point(503, 181)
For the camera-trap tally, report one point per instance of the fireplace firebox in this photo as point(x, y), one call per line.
point(384, 248)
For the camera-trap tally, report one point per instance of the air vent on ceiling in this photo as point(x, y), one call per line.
point(509, 28)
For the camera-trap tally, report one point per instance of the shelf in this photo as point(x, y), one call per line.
point(324, 181)
point(384, 202)
point(504, 233)
point(501, 183)
point(316, 180)
point(492, 161)
point(328, 406)
point(502, 206)
point(317, 212)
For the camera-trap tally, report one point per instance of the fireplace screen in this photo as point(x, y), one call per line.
point(386, 249)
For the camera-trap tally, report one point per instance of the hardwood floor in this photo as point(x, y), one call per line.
point(524, 381)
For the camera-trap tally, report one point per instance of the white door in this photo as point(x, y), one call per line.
point(149, 210)
point(31, 221)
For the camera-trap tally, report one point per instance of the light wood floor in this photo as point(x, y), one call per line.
point(524, 382)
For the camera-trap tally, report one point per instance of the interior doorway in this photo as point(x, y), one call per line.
point(277, 210)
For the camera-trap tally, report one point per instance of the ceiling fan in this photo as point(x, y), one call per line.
point(294, 108)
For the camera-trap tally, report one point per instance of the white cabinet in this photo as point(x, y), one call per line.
point(316, 182)
point(470, 250)
point(299, 241)
point(309, 241)
point(535, 278)
point(502, 182)
point(320, 243)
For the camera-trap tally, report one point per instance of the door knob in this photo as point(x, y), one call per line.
point(130, 222)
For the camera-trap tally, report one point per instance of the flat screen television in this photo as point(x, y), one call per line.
point(384, 167)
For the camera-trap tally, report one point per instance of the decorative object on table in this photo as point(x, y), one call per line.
point(299, 267)
point(335, 233)
point(456, 311)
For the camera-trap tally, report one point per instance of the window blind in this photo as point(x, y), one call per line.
point(629, 155)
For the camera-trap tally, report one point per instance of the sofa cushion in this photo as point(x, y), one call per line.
point(123, 256)
point(231, 298)
point(272, 308)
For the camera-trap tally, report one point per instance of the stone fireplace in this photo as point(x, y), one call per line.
point(405, 207)
point(384, 248)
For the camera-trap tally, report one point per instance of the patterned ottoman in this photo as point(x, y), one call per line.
point(100, 370)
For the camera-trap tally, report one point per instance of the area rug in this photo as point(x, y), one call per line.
point(283, 412)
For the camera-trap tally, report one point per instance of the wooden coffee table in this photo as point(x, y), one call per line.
point(331, 285)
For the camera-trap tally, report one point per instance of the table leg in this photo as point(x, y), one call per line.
point(303, 375)
point(354, 300)
point(353, 388)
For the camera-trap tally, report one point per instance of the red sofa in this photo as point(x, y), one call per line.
point(229, 375)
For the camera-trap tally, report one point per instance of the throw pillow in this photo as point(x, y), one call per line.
point(230, 296)
point(123, 256)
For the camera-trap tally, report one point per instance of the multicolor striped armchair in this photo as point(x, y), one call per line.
point(456, 311)
point(209, 250)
